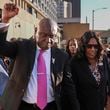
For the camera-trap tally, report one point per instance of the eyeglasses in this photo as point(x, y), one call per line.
point(92, 45)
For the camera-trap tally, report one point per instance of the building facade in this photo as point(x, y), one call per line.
point(70, 24)
point(67, 9)
point(60, 9)
point(31, 11)
point(75, 6)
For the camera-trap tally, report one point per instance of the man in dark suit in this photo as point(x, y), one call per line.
point(22, 90)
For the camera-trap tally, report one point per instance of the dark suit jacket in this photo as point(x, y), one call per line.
point(24, 54)
point(91, 96)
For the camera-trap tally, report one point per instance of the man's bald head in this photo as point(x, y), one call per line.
point(46, 22)
point(45, 32)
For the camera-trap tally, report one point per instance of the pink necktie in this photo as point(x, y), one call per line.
point(42, 82)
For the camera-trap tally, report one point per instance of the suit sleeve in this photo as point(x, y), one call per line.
point(69, 97)
point(7, 48)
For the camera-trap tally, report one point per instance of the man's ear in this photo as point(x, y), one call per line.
point(35, 32)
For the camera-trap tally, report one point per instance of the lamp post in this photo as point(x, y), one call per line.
point(93, 11)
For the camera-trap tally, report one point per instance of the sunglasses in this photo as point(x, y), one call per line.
point(92, 45)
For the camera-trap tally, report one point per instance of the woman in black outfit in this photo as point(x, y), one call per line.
point(90, 73)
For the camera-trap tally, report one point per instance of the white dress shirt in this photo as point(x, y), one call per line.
point(30, 95)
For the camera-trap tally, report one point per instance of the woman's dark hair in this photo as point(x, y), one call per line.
point(84, 41)
point(67, 46)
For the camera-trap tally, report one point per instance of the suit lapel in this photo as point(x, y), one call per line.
point(32, 50)
point(52, 67)
point(102, 73)
point(88, 73)
point(56, 66)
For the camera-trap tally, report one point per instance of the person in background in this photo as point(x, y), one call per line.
point(40, 72)
point(90, 73)
point(4, 76)
point(3, 63)
point(71, 47)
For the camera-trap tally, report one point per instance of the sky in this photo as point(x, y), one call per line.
point(101, 16)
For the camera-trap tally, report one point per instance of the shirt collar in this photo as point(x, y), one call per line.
point(38, 48)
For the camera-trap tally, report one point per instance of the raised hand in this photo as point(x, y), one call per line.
point(10, 10)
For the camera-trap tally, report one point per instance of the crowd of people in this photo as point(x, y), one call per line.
point(37, 75)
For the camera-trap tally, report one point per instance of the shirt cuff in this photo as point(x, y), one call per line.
point(4, 27)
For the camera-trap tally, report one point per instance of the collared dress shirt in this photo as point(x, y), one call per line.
point(30, 95)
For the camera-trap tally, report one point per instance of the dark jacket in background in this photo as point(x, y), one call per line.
point(91, 96)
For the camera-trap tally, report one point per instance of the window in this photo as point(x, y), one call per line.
point(21, 3)
point(29, 9)
point(32, 1)
point(36, 13)
point(15, 1)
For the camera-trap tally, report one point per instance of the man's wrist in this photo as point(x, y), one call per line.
point(5, 18)
point(4, 27)
point(4, 21)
